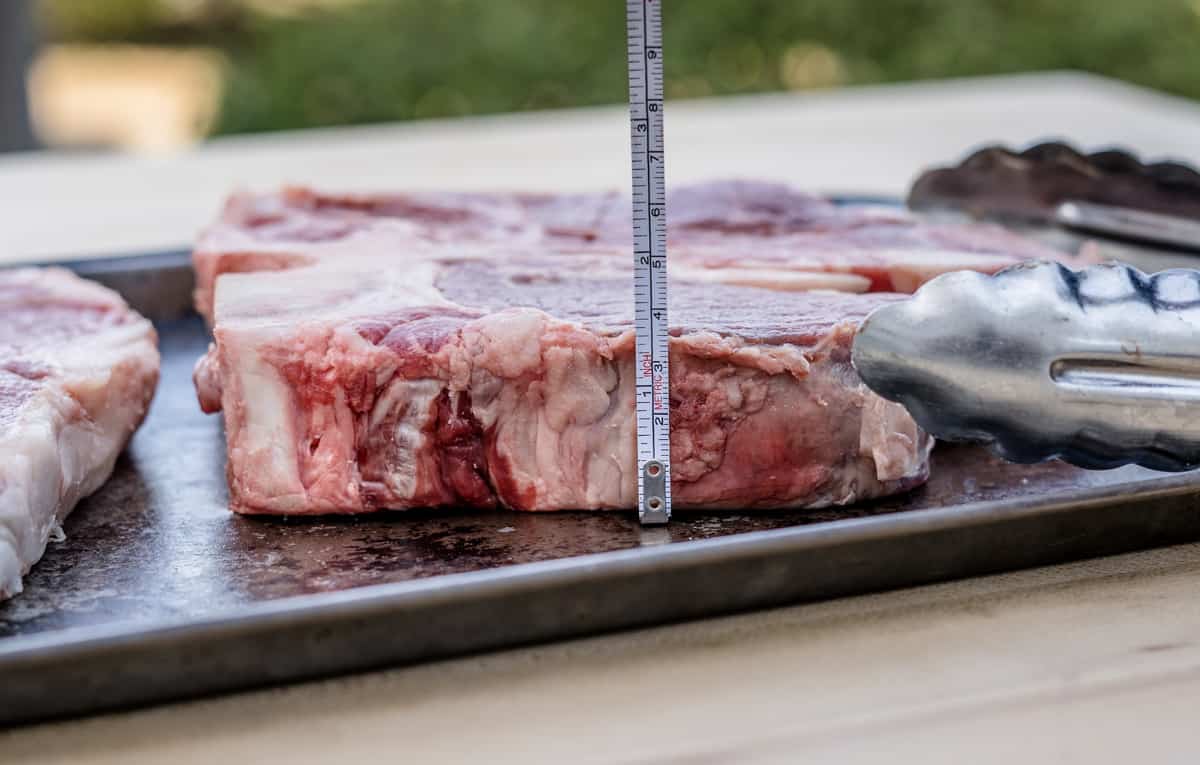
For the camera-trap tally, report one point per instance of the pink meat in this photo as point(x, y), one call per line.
point(481, 383)
point(748, 233)
point(476, 350)
point(77, 371)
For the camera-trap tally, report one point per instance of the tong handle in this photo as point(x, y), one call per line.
point(1127, 223)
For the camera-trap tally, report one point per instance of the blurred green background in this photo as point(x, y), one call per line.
point(300, 63)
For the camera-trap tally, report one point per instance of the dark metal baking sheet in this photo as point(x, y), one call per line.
point(159, 593)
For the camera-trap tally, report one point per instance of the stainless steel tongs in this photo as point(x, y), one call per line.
point(1100, 367)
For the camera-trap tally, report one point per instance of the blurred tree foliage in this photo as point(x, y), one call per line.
point(339, 62)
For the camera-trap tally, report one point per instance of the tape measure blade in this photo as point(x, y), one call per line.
point(647, 144)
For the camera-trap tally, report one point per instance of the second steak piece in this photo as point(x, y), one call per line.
point(78, 368)
point(348, 387)
point(732, 232)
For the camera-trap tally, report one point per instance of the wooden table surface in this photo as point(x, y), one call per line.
point(1096, 661)
point(867, 140)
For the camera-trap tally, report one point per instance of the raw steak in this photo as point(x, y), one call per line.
point(476, 349)
point(508, 381)
point(755, 234)
point(77, 371)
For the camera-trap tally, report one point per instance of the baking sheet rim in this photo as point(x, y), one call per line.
point(448, 587)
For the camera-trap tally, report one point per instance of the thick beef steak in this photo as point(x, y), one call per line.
point(77, 372)
point(509, 382)
point(412, 350)
point(756, 234)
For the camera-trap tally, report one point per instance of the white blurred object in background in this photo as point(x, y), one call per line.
point(128, 97)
